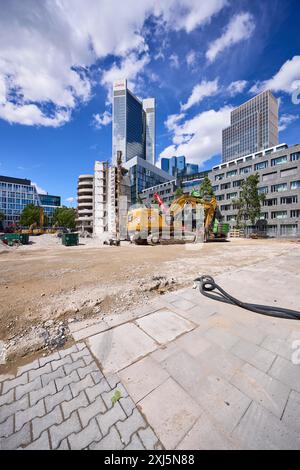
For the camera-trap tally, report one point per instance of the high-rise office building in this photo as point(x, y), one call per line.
point(133, 130)
point(253, 127)
point(177, 166)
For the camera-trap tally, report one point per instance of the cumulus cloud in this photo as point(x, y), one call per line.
point(239, 28)
point(201, 91)
point(287, 79)
point(285, 120)
point(47, 48)
point(100, 120)
point(198, 138)
point(236, 87)
point(191, 58)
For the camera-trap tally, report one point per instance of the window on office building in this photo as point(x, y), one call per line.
point(231, 173)
point(289, 229)
point(261, 165)
point(295, 214)
point(225, 185)
point(279, 215)
point(245, 170)
point(270, 202)
point(279, 160)
point(294, 157)
point(279, 187)
point(219, 177)
point(289, 200)
point(295, 184)
point(263, 190)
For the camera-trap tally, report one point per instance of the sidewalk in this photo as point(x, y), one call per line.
point(192, 373)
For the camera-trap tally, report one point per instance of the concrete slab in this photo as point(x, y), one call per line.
point(90, 331)
point(171, 412)
point(143, 377)
point(286, 372)
point(291, 416)
point(193, 342)
point(119, 347)
point(164, 325)
point(254, 355)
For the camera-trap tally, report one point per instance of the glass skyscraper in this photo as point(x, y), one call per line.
point(254, 127)
point(177, 166)
point(133, 129)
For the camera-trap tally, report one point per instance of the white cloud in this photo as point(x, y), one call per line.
point(285, 120)
point(47, 47)
point(236, 87)
point(191, 58)
point(239, 28)
point(70, 199)
point(174, 61)
point(201, 91)
point(39, 189)
point(100, 120)
point(198, 138)
point(286, 79)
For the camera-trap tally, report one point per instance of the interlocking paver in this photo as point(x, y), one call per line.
point(66, 352)
point(29, 414)
point(52, 357)
point(96, 390)
point(84, 438)
point(84, 352)
point(85, 370)
point(52, 400)
point(111, 417)
point(62, 380)
point(27, 367)
point(110, 442)
point(7, 427)
point(16, 382)
point(107, 396)
point(44, 422)
point(69, 406)
point(74, 366)
point(65, 361)
point(22, 390)
point(130, 425)
point(42, 443)
point(135, 443)
point(91, 411)
point(63, 430)
point(58, 373)
point(79, 385)
point(127, 404)
point(18, 439)
point(7, 398)
point(39, 371)
point(148, 438)
point(14, 407)
point(43, 392)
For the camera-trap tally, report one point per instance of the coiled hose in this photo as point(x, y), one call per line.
point(207, 285)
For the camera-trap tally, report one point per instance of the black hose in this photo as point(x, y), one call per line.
point(207, 285)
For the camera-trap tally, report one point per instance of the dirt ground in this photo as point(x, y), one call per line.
point(44, 286)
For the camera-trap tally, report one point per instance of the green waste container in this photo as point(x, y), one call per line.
point(70, 239)
point(19, 237)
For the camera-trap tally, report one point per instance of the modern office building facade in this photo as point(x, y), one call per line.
point(177, 166)
point(279, 179)
point(253, 127)
point(49, 203)
point(133, 126)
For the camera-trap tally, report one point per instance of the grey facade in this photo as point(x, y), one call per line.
point(149, 110)
point(253, 127)
point(279, 174)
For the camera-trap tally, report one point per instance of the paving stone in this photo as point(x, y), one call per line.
point(52, 400)
point(291, 416)
point(120, 347)
point(16, 440)
point(91, 411)
point(37, 395)
point(14, 407)
point(85, 370)
point(61, 362)
point(216, 361)
point(97, 376)
point(67, 352)
point(259, 429)
point(64, 445)
point(69, 406)
point(207, 435)
point(278, 346)
point(7, 398)
point(127, 404)
point(22, 390)
point(170, 417)
point(58, 373)
point(90, 331)
point(27, 415)
point(88, 359)
point(63, 430)
point(84, 352)
point(135, 444)
point(40, 424)
point(62, 381)
point(111, 442)
point(30, 366)
point(112, 416)
point(7, 427)
point(74, 366)
point(262, 388)
point(164, 325)
point(183, 304)
point(85, 437)
point(132, 424)
point(221, 337)
point(224, 402)
point(165, 351)
point(113, 380)
point(193, 342)
point(52, 357)
point(33, 374)
point(40, 444)
point(148, 438)
point(142, 377)
point(16, 382)
point(78, 386)
point(286, 372)
point(96, 390)
point(254, 355)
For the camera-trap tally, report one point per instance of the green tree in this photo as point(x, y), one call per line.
point(64, 217)
point(249, 202)
point(30, 215)
point(178, 192)
point(2, 216)
point(206, 188)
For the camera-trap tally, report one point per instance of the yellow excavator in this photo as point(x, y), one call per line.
point(178, 223)
point(34, 229)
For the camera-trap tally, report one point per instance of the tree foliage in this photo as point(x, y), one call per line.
point(64, 217)
point(2, 216)
point(206, 188)
point(249, 202)
point(30, 215)
point(178, 192)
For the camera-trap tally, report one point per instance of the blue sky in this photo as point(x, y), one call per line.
point(198, 58)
